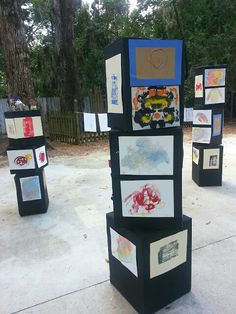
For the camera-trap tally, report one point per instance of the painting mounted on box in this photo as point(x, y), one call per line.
point(150, 94)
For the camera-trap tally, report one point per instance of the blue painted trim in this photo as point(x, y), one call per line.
point(138, 43)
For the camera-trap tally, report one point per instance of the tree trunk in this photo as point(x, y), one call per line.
point(15, 51)
point(63, 12)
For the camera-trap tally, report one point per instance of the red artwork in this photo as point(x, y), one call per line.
point(42, 157)
point(28, 127)
point(198, 86)
point(147, 198)
point(21, 160)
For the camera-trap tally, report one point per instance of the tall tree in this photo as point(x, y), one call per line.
point(15, 51)
point(64, 13)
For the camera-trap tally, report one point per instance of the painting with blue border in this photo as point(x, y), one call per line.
point(155, 62)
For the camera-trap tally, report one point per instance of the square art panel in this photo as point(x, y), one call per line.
point(146, 155)
point(211, 158)
point(147, 198)
point(30, 188)
point(214, 95)
point(124, 250)
point(217, 123)
point(154, 107)
point(114, 84)
point(202, 117)
point(168, 253)
point(21, 159)
point(195, 155)
point(155, 62)
point(215, 77)
point(198, 86)
point(201, 135)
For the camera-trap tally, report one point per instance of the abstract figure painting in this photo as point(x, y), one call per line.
point(168, 253)
point(114, 84)
point(202, 117)
point(147, 198)
point(147, 155)
point(198, 86)
point(154, 62)
point(201, 135)
point(214, 95)
point(154, 107)
point(124, 250)
point(211, 158)
point(217, 122)
point(41, 156)
point(215, 77)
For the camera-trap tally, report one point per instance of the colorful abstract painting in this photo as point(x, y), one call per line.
point(168, 253)
point(154, 107)
point(211, 158)
point(198, 86)
point(217, 123)
point(215, 77)
point(114, 84)
point(146, 155)
point(155, 62)
point(214, 95)
point(202, 117)
point(124, 250)
point(30, 188)
point(147, 198)
point(195, 155)
point(201, 135)
point(21, 159)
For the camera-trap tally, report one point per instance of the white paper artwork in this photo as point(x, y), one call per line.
point(214, 95)
point(168, 253)
point(146, 155)
point(24, 127)
point(90, 122)
point(201, 135)
point(21, 159)
point(147, 198)
point(102, 118)
point(10, 127)
point(188, 114)
point(41, 156)
point(30, 188)
point(114, 84)
point(199, 86)
point(124, 250)
point(211, 158)
point(202, 117)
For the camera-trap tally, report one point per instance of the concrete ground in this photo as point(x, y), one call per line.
point(57, 262)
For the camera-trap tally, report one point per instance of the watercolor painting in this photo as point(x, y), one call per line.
point(202, 117)
point(214, 95)
point(215, 77)
point(41, 156)
point(147, 198)
point(198, 86)
point(155, 62)
point(146, 155)
point(201, 135)
point(217, 121)
point(168, 253)
point(30, 188)
point(154, 107)
point(211, 158)
point(195, 155)
point(114, 84)
point(21, 159)
point(124, 250)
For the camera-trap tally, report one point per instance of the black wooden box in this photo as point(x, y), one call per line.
point(32, 195)
point(207, 165)
point(144, 83)
point(150, 268)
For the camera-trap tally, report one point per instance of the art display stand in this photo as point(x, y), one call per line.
point(149, 240)
point(27, 157)
point(208, 116)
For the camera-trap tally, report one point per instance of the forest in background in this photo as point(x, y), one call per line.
point(207, 28)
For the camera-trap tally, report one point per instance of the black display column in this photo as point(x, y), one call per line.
point(208, 115)
point(149, 240)
point(27, 158)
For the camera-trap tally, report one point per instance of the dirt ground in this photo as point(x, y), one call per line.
point(57, 149)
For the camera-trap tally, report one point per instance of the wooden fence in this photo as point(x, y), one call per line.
point(68, 128)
